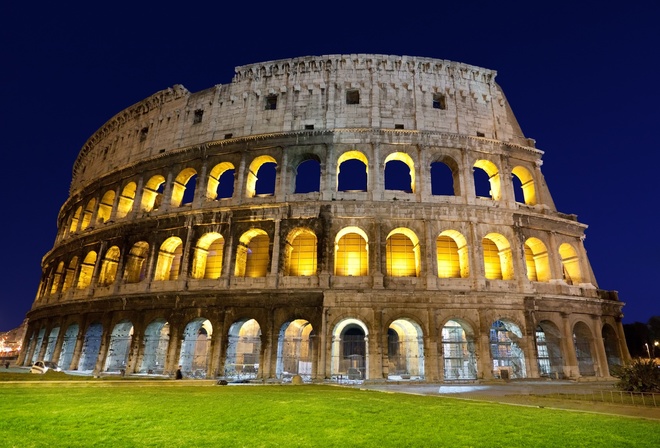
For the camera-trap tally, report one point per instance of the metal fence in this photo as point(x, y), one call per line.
point(610, 396)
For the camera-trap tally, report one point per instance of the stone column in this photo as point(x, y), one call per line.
point(571, 368)
point(598, 344)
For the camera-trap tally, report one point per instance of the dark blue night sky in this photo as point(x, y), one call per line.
point(581, 77)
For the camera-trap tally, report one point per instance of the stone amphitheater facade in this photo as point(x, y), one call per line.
point(340, 217)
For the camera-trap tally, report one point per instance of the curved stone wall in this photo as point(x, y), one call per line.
point(345, 217)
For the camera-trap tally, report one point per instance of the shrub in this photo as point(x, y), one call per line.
point(640, 376)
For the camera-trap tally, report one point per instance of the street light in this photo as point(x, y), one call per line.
point(647, 349)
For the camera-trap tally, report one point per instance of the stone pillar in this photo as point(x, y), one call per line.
point(106, 336)
point(219, 330)
point(173, 347)
point(599, 345)
point(571, 368)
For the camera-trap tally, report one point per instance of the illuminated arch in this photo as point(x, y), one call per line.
point(408, 161)
point(300, 256)
point(216, 180)
point(152, 194)
point(295, 350)
point(194, 355)
point(57, 277)
point(536, 260)
point(402, 253)
point(126, 200)
point(70, 273)
point(458, 351)
point(452, 255)
point(351, 252)
point(493, 177)
point(348, 156)
point(87, 214)
point(253, 254)
point(570, 263)
point(208, 256)
point(105, 206)
point(136, 263)
point(86, 270)
point(505, 350)
point(405, 350)
point(527, 184)
point(243, 350)
point(350, 351)
point(108, 273)
point(180, 187)
point(169, 259)
point(498, 261)
point(252, 176)
point(75, 219)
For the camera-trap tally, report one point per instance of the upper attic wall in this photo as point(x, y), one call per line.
point(394, 91)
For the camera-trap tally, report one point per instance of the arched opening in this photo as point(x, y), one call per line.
point(399, 172)
point(498, 261)
point(156, 341)
point(208, 256)
point(37, 344)
point(349, 350)
point(221, 181)
point(308, 175)
point(194, 356)
point(508, 357)
point(487, 180)
point(108, 273)
point(57, 277)
point(458, 351)
point(136, 266)
point(243, 350)
point(75, 219)
point(183, 187)
point(570, 263)
point(524, 189)
point(87, 214)
point(120, 347)
point(402, 253)
point(86, 270)
point(90, 348)
point(352, 171)
point(583, 341)
point(169, 259)
point(351, 252)
point(261, 177)
point(126, 199)
point(536, 261)
point(70, 274)
point(68, 347)
point(253, 254)
point(50, 343)
point(152, 194)
point(405, 350)
point(444, 178)
point(295, 350)
point(612, 350)
point(548, 350)
point(105, 206)
point(452, 255)
point(300, 253)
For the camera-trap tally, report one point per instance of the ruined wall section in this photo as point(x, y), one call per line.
point(310, 93)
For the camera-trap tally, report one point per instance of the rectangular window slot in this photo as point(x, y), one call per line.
point(199, 113)
point(480, 134)
point(309, 127)
point(271, 102)
point(353, 96)
point(143, 134)
point(228, 136)
point(398, 126)
point(439, 101)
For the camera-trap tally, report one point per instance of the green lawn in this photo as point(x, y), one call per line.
point(172, 414)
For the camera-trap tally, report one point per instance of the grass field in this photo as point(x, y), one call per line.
point(178, 414)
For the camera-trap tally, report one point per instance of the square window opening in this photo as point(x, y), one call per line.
point(353, 96)
point(199, 113)
point(271, 102)
point(439, 101)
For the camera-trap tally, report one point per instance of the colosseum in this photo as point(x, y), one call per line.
point(342, 218)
